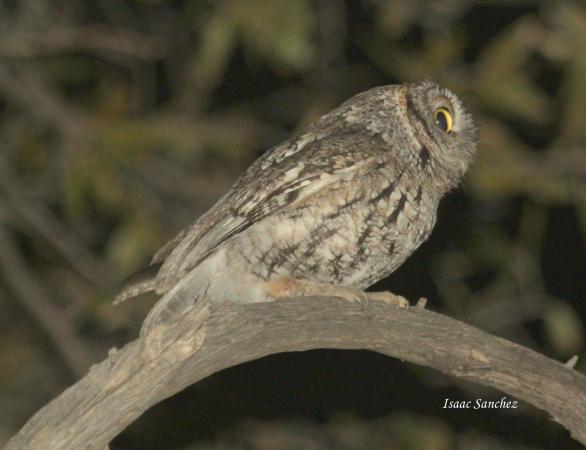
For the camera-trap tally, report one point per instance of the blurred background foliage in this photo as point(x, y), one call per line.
point(123, 120)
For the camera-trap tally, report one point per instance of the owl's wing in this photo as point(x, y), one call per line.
point(279, 179)
point(272, 157)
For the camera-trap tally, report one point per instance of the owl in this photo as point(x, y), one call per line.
point(328, 212)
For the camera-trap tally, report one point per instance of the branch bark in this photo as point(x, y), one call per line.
point(214, 337)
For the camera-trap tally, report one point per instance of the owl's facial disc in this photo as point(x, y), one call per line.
point(441, 124)
point(439, 111)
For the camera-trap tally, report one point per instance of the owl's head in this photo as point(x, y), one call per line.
point(425, 128)
point(445, 133)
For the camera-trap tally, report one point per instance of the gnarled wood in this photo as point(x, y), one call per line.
point(118, 390)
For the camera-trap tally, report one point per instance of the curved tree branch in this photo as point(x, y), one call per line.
point(213, 337)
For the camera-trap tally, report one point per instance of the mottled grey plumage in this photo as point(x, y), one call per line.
point(330, 211)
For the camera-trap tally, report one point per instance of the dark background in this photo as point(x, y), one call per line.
point(123, 120)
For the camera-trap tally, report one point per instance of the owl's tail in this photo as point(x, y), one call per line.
point(182, 297)
point(177, 301)
point(140, 282)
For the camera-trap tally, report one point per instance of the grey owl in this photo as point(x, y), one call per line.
point(328, 212)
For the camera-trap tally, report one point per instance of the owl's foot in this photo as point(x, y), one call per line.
point(389, 298)
point(290, 287)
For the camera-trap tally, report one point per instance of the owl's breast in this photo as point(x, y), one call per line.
point(354, 233)
point(381, 233)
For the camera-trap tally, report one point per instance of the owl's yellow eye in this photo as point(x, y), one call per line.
point(443, 119)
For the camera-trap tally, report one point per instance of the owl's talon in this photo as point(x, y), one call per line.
point(354, 296)
point(363, 299)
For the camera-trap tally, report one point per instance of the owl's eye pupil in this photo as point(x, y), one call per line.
point(443, 119)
